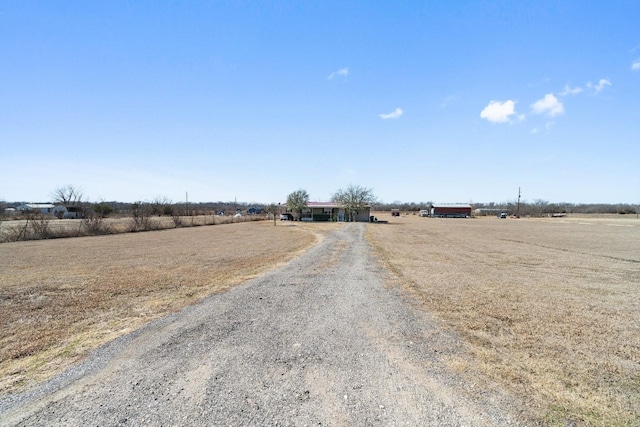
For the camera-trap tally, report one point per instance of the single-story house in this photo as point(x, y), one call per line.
point(332, 211)
point(451, 211)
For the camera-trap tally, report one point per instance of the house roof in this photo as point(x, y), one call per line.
point(35, 206)
point(452, 205)
point(322, 205)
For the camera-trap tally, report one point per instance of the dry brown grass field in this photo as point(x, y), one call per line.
point(549, 308)
point(61, 298)
point(43, 227)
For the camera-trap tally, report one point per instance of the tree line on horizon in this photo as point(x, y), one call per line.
point(353, 196)
point(148, 216)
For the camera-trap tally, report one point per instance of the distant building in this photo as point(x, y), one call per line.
point(68, 212)
point(36, 208)
point(451, 211)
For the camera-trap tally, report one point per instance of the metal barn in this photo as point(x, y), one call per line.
point(451, 211)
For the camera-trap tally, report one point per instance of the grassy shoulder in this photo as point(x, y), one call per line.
point(60, 299)
point(547, 308)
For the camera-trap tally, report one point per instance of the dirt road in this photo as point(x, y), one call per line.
point(321, 341)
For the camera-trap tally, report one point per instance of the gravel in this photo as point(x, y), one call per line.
point(320, 341)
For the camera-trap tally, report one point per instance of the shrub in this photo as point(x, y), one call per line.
point(103, 209)
point(96, 225)
point(39, 227)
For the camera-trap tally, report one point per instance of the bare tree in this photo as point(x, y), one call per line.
point(297, 201)
point(67, 195)
point(273, 209)
point(176, 214)
point(140, 217)
point(354, 199)
point(37, 227)
point(95, 224)
point(160, 206)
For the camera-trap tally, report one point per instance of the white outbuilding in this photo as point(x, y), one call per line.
point(68, 212)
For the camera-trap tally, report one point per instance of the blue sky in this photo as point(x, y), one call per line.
point(243, 100)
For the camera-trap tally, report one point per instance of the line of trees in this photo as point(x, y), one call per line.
point(142, 216)
point(535, 208)
point(544, 208)
point(353, 198)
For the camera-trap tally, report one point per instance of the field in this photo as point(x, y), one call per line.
point(61, 298)
point(40, 227)
point(549, 307)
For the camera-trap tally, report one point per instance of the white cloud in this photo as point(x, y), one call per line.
point(548, 105)
point(393, 115)
point(341, 72)
point(602, 83)
point(499, 112)
point(568, 90)
point(636, 65)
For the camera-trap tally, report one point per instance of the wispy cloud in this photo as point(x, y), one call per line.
point(568, 90)
point(448, 101)
point(635, 66)
point(344, 72)
point(499, 112)
point(392, 115)
point(547, 128)
point(549, 105)
point(598, 87)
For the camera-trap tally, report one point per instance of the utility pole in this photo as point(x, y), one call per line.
point(518, 209)
point(187, 201)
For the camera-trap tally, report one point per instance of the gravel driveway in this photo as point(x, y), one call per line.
point(321, 341)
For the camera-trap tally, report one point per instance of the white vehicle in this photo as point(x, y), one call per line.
point(423, 213)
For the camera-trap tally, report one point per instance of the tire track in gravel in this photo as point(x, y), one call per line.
point(320, 341)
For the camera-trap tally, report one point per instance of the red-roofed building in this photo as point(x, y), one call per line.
point(451, 211)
